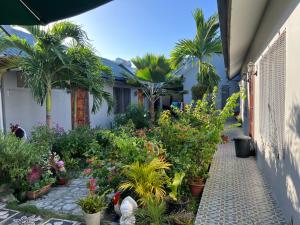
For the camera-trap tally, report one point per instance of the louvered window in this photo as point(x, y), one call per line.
point(122, 99)
point(272, 74)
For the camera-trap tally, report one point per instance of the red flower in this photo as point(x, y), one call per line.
point(87, 171)
point(92, 184)
point(89, 161)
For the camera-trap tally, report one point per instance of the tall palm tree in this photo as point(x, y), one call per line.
point(154, 78)
point(90, 74)
point(206, 43)
point(46, 64)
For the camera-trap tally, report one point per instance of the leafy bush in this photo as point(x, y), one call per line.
point(73, 145)
point(93, 203)
point(147, 180)
point(16, 159)
point(137, 114)
point(153, 213)
point(43, 136)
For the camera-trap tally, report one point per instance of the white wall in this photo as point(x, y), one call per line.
point(283, 174)
point(102, 118)
point(190, 71)
point(21, 108)
point(1, 113)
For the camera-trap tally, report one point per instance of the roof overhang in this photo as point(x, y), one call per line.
point(239, 21)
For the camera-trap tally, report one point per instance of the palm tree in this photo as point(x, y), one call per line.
point(45, 64)
point(206, 43)
point(154, 78)
point(90, 74)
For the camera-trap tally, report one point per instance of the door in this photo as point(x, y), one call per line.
point(82, 114)
point(251, 106)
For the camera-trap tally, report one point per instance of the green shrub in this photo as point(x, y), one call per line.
point(73, 145)
point(16, 159)
point(137, 114)
point(43, 136)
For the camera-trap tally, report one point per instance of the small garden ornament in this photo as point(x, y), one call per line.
point(127, 208)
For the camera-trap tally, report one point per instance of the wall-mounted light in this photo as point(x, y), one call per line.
point(252, 69)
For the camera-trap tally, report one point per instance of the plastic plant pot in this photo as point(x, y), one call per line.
point(242, 146)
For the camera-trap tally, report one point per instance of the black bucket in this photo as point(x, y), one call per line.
point(242, 146)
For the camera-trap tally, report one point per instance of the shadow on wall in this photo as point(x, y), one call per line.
point(283, 173)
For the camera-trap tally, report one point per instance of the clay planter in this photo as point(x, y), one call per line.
point(196, 187)
point(61, 181)
point(32, 195)
point(92, 219)
point(176, 206)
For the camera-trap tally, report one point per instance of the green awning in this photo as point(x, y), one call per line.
point(30, 12)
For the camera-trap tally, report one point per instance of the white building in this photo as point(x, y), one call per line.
point(266, 34)
point(17, 105)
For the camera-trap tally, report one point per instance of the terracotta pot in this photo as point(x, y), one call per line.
point(61, 181)
point(197, 186)
point(31, 195)
point(92, 219)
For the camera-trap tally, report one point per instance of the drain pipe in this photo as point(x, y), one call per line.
point(3, 122)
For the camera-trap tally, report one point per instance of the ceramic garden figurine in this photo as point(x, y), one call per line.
point(127, 208)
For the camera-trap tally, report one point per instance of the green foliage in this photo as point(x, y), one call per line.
point(93, 203)
point(74, 144)
point(43, 136)
point(147, 180)
point(175, 184)
point(16, 159)
point(137, 114)
point(205, 44)
point(46, 179)
point(154, 78)
point(153, 213)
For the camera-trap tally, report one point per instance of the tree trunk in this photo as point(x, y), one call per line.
point(75, 124)
point(152, 111)
point(49, 107)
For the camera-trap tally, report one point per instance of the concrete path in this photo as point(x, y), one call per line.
point(236, 193)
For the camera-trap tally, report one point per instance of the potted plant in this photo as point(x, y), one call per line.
point(92, 206)
point(40, 187)
point(197, 180)
point(182, 218)
point(176, 201)
point(61, 177)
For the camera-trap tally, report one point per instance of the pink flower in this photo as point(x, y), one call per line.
point(92, 184)
point(87, 171)
point(60, 164)
point(34, 175)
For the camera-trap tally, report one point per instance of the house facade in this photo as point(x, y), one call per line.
point(261, 43)
point(18, 106)
point(189, 71)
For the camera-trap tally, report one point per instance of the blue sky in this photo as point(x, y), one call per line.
point(129, 28)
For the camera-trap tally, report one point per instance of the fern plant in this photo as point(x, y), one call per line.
point(147, 179)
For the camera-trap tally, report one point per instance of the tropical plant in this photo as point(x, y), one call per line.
point(147, 180)
point(154, 78)
point(153, 213)
point(137, 114)
point(206, 43)
point(90, 74)
point(43, 63)
point(48, 64)
point(175, 184)
point(93, 203)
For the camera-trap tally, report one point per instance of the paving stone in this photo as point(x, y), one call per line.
point(236, 193)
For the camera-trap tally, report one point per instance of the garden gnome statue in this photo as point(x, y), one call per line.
point(127, 208)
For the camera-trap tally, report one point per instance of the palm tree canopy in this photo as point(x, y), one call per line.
point(206, 42)
point(89, 74)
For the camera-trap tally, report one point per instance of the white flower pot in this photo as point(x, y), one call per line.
point(92, 219)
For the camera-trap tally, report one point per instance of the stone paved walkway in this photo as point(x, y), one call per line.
point(62, 199)
point(236, 193)
point(12, 217)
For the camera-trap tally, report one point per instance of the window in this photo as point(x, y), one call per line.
point(272, 95)
point(122, 99)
